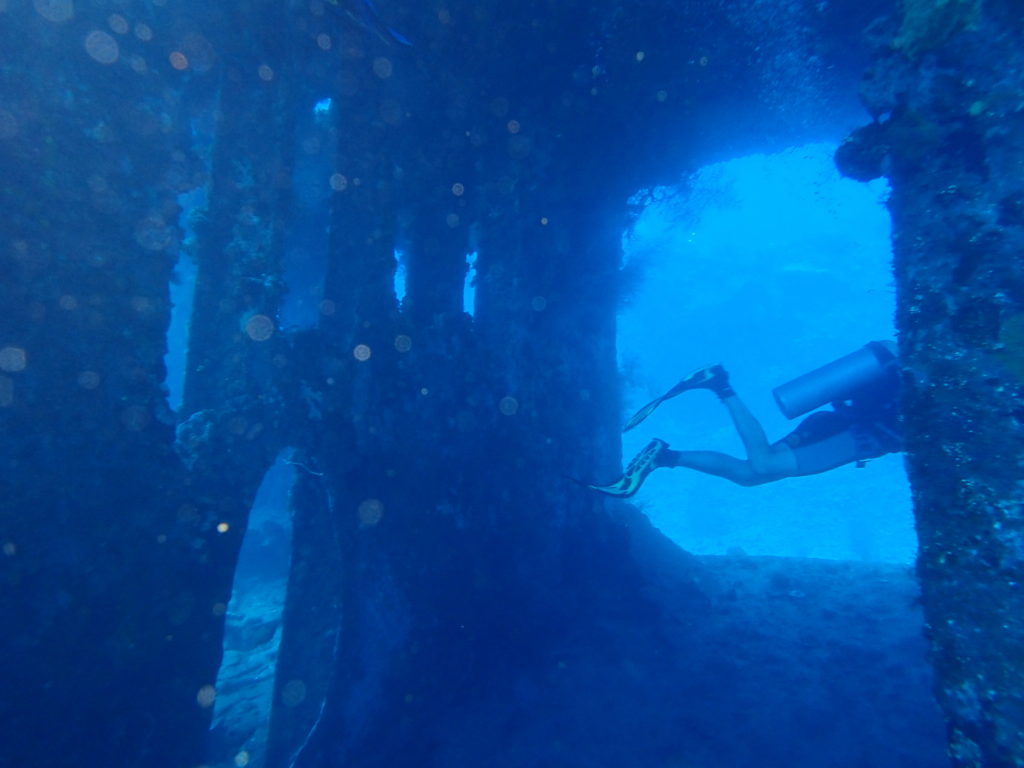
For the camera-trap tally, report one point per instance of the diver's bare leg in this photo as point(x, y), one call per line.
point(765, 462)
point(771, 462)
point(713, 463)
point(755, 441)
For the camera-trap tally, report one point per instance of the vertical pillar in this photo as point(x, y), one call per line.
point(946, 89)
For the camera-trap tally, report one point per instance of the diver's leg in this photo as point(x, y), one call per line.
point(767, 461)
point(713, 463)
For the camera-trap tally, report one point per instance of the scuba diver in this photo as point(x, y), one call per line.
point(364, 13)
point(865, 422)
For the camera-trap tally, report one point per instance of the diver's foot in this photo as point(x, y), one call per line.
point(714, 378)
point(639, 468)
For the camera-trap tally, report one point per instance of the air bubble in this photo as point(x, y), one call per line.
point(259, 327)
point(12, 359)
point(206, 696)
point(102, 47)
point(135, 418)
point(370, 513)
point(153, 233)
point(54, 10)
point(293, 693)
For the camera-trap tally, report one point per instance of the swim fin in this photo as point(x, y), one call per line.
point(712, 377)
point(639, 468)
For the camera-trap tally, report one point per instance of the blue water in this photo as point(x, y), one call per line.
point(772, 265)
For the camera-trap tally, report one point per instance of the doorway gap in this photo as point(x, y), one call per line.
point(772, 264)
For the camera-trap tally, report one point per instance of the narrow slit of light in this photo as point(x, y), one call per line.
point(469, 286)
point(401, 275)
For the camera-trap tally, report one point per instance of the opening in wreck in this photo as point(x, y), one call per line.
point(773, 264)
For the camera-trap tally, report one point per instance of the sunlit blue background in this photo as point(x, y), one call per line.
point(772, 265)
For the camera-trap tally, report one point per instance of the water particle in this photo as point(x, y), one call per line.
point(10, 550)
point(403, 343)
point(457, 189)
point(153, 234)
point(259, 327)
point(54, 10)
point(513, 126)
point(509, 406)
point(199, 51)
point(382, 67)
point(370, 513)
point(661, 96)
point(640, 55)
point(452, 220)
point(293, 693)
point(206, 696)
point(391, 113)
point(118, 23)
point(187, 513)
point(178, 60)
point(8, 125)
point(539, 303)
point(544, 221)
point(219, 609)
point(424, 391)
point(265, 72)
point(88, 379)
point(143, 305)
point(12, 359)
point(499, 106)
point(143, 32)
point(102, 47)
point(223, 527)
point(324, 41)
point(361, 353)
point(242, 759)
point(338, 182)
point(135, 418)
point(327, 307)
